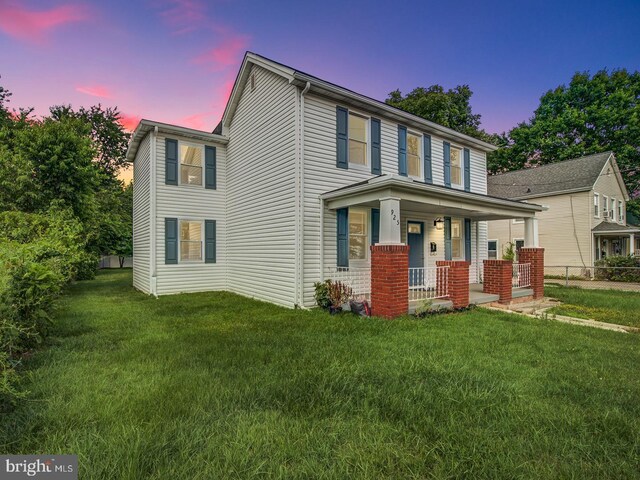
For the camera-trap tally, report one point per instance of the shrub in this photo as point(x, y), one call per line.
point(339, 293)
point(321, 294)
point(618, 268)
point(509, 252)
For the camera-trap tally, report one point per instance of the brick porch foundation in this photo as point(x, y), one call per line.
point(497, 279)
point(458, 281)
point(389, 280)
point(535, 257)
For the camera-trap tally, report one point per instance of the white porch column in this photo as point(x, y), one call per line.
point(531, 232)
point(632, 244)
point(390, 221)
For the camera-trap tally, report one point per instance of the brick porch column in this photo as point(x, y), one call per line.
point(458, 281)
point(389, 280)
point(535, 257)
point(497, 279)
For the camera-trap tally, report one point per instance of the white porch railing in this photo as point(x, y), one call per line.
point(358, 279)
point(521, 275)
point(428, 283)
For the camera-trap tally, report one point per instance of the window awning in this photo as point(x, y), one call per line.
point(427, 198)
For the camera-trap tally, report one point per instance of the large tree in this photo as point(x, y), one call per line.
point(592, 114)
point(450, 108)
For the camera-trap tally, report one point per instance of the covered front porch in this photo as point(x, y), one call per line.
point(611, 239)
point(427, 243)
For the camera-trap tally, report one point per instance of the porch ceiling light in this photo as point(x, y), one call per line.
point(438, 223)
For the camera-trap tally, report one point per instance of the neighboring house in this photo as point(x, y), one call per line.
point(585, 218)
point(297, 182)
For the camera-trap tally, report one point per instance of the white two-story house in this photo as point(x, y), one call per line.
point(297, 182)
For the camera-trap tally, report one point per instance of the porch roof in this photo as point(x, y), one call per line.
point(605, 228)
point(423, 197)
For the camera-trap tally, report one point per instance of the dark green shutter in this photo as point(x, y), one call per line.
point(428, 173)
point(210, 167)
point(447, 238)
point(209, 241)
point(467, 239)
point(170, 240)
point(171, 161)
point(376, 162)
point(467, 170)
point(343, 236)
point(375, 226)
point(446, 149)
point(402, 150)
point(342, 137)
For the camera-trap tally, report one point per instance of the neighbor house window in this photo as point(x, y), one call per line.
point(414, 164)
point(190, 241)
point(456, 166)
point(357, 139)
point(612, 209)
point(456, 239)
point(596, 205)
point(358, 234)
point(605, 204)
point(492, 249)
point(191, 160)
point(620, 211)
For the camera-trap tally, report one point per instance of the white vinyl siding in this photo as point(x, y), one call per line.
point(142, 217)
point(261, 236)
point(185, 202)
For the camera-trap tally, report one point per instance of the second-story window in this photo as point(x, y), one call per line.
point(620, 211)
point(456, 166)
point(357, 139)
point(414, 163)
point(612, 209)
point(191, 160)
point(596, 205)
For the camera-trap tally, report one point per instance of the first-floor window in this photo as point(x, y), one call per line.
point(190, 240)
point(456, 239)
point(492, 249)
point(358, 234)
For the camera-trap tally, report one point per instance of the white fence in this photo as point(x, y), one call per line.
point(428, 283)
point(358, 279)
point(521, 276)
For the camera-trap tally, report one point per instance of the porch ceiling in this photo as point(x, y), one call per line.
point(421, 197)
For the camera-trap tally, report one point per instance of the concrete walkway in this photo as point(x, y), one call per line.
point(538, 309)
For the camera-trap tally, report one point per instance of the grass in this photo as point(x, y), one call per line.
point(214, 385)
point(611, 306)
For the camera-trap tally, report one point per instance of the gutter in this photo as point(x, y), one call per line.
point(300, 298)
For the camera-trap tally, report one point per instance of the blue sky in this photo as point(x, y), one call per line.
point(175, 60)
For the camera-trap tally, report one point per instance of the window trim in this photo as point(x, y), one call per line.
point(497, 247)
point(420, 138)
point(366, 212)
point(596, 205)
point(367, 153)
point(621, 212)
point(461, 150)
point(180, 164)
point(202, 233)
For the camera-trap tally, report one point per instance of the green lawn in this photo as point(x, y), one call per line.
point(213, 385)
point(611, 306)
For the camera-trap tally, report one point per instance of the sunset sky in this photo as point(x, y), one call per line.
point(175, 60)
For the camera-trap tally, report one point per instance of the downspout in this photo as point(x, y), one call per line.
point(302, 199)
point(152, 208)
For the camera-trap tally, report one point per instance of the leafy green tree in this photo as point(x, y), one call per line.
point(109, 137)
point(592, 114)
point(449, 108)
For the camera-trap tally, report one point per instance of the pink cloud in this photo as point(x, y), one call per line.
point(228, 53)
point(129, 122)
point(198, 121)
point(34, 25)
point(95, 91)
point(183, 16)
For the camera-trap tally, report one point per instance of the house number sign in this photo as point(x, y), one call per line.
point(393, 216)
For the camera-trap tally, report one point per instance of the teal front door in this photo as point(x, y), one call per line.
point(415, 240)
